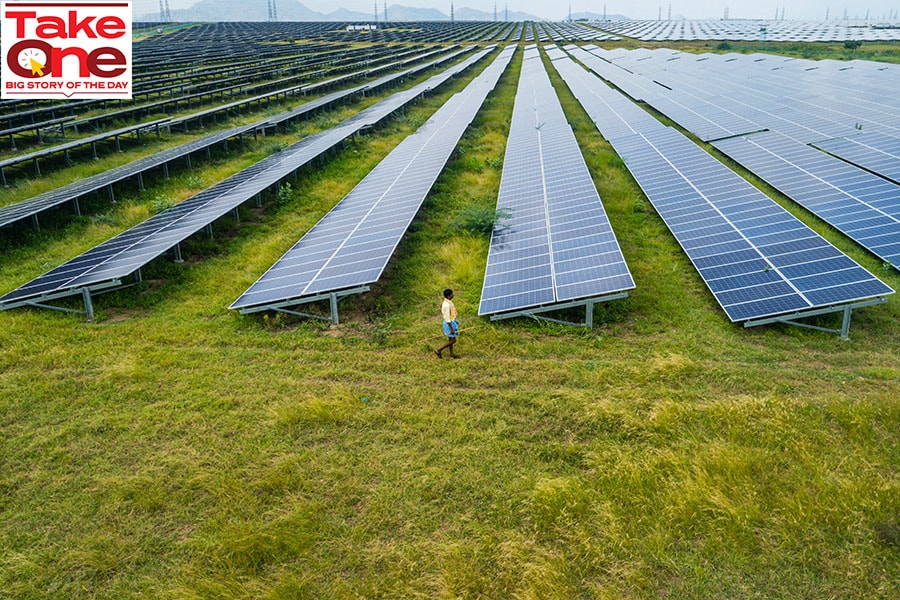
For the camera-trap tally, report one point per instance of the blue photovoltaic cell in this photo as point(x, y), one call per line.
point(861, 205)
point(352, 244)
point(126, 253)
point(876, 152)
point(756, 270)
point(756, 258)
point(557, 244)
point(37, 204)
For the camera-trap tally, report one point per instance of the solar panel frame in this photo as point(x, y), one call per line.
point(557, 246)
point(352, 244)
point(861, 205)
point(764, 287)
point(758, 260)
point(126, 253)
point(877, 152)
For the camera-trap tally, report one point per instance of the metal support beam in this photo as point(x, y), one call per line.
point(845, 309)
point(88, 304)
point(331, 297)
point(536, 313)
point(177, 250)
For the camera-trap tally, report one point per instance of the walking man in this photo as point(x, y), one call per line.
point(450, 323)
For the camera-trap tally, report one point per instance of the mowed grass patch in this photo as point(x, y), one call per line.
point(186, 451)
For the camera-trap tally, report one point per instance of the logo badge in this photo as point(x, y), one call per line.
point(65, 50)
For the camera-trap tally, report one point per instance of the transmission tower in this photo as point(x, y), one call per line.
point(165, 15)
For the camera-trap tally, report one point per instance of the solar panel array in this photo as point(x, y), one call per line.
point(780, 107)
point(876, 152)
point(32, 207)
point(861, 205)
point(351, 245)
point(757, 259)
point(752, 30)
point(557, 245)
point(35, 205)
point(126, 253)
point(718, 96)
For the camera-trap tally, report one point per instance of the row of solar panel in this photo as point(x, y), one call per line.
point(756, 258)
point(353, 243)
point(126, 253)
point(32, 207)
point(768, 128)
point(557, 244)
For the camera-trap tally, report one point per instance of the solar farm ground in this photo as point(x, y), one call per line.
point(174, 448)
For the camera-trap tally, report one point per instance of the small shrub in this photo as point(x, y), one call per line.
point(105, 218)
point(285, 193)
point(195, 182)
point(478, 220)
point(161, 203)
point(723, 46)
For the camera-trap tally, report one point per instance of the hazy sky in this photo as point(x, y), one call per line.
point(635, 9)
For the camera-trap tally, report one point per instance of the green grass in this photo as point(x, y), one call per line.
point(175, 449)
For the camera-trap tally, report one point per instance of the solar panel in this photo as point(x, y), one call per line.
point(714, 98)
point(351, 245)
point(757, 259)
point(557, 248)
point(35, 205)
point(859, 204)
point(876, 152)
point(125, 254)
point(760, 262)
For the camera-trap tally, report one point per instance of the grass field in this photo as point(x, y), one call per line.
point(175, 449)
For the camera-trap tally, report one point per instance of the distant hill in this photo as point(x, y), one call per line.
point(410, 13)
point(293, 10)
point(241, 10)
point(342, 14)
point(592, 16)
point(471, 14)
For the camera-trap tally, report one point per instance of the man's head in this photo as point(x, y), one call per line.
point(448, 293)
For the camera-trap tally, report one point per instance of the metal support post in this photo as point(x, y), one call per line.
point(178, 258)
point(845, 325)
point(88, 304)
point(77, 207)
point(112, 195)
point(334, 308)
